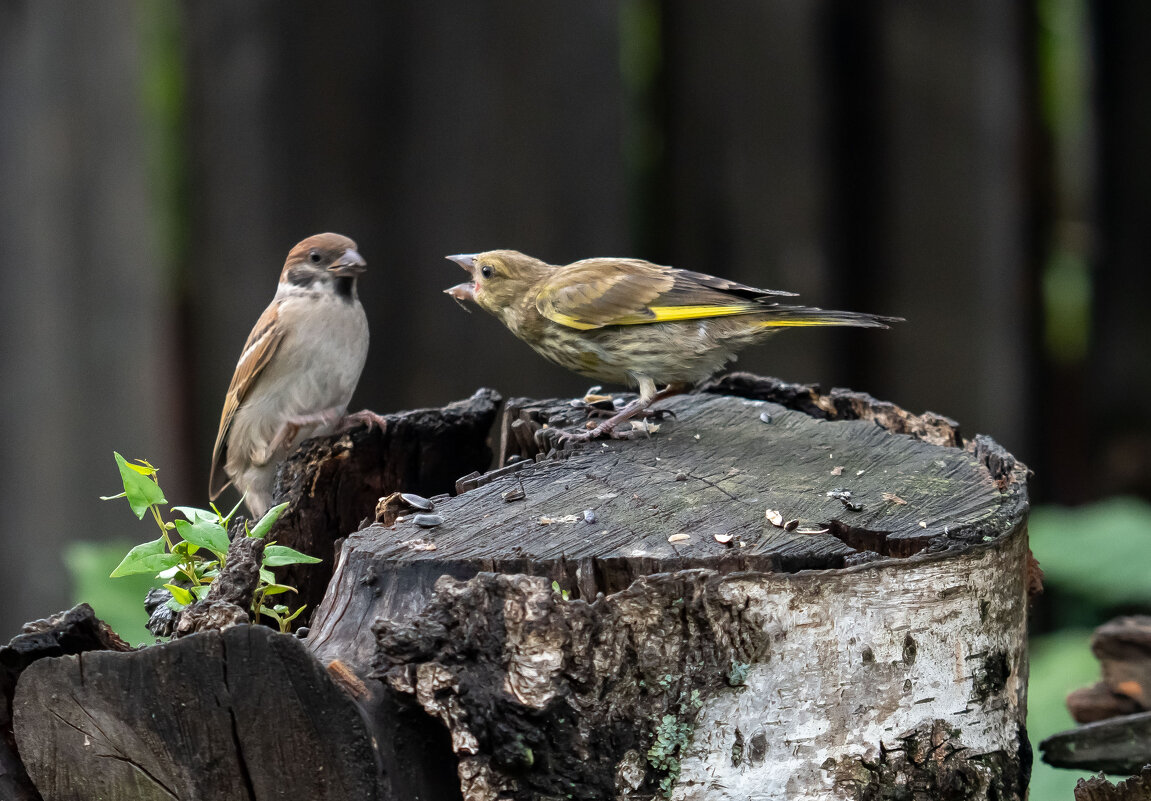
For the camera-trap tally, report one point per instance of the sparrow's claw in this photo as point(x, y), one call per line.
point(363, 417)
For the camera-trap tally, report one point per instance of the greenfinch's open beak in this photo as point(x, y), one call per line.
point(351, 263)
point(466, 291)
point(465, 260)
point(463, 291)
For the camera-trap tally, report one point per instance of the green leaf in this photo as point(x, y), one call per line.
point(277, 555)
point(268, 520)
point(295, 614)
point(144, 468)
point(210, 535)
point(140, 490)
point(182, 595)
point(226, 519)
point(148, 557)
point(201, 590)
point(195, 515)
point(184, 548)
point(267, 576)
point(276, 589)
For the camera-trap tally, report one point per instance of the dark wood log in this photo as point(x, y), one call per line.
point(334, 483)
point(1116, 735)
point(681, 641)
point(246, 714)
point(73, 632)
point(1123, 648)
point(1099, 702)
point(1120, 745)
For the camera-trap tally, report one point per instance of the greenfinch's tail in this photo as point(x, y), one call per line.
point(802, 316)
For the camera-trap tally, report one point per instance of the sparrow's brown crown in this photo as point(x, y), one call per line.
point(332, 252)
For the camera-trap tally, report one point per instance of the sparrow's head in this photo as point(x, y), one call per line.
point(501, 279)
point(324, 261)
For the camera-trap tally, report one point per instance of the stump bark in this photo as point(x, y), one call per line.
point(777, 594)
point(626, 619)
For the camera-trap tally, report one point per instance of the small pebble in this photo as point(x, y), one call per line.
point(588, 516)
point(681, 476)
point(791, 525)
point(765, 417)
point(427, 521)
point(302, 632)
point(417, 501)
point(515, 457)
point(515, 494)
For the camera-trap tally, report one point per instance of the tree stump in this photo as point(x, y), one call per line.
point(242, 715)
point(778, 594)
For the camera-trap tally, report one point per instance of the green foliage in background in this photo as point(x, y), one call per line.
point(1096, 562)
point(119, 603)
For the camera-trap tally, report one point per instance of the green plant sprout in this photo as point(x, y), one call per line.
point(188, 566)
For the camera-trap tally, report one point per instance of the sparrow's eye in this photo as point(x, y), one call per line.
point(486, 271)
point(314, 257)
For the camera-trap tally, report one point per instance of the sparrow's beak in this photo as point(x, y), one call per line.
point(463, 291)
point(465, 260)
point(351, 263)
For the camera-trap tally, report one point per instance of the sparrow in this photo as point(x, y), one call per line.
point(297, 371)
point(628, 321)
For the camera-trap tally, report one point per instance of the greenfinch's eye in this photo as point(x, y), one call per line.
point(486, 271)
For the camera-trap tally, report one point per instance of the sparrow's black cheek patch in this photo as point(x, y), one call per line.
point(344, 286)
point(301, 276)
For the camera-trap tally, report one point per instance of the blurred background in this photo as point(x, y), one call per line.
point(980, 168)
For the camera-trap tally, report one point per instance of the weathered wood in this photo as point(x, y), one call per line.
point(880, 642)
point(715, 470)
point(1097, 788)
point(1117, 745)
point(72, 632)
point(229, 599)
point(333, 483)
point(245, 714)
point(1116, 735)
point(1123, 648)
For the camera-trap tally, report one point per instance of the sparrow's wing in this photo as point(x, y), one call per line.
point(258, 351)
point(596, 292)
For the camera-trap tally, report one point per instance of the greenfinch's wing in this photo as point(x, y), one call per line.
point(596, 292)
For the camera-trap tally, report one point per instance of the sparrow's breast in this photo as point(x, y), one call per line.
point(314, 370)
point(320, 360)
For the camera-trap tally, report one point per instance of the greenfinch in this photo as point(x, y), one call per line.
point(628, 321)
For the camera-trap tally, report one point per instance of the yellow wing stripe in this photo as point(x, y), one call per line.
point(798, 323)
point(665, 314)
point(569, 321)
